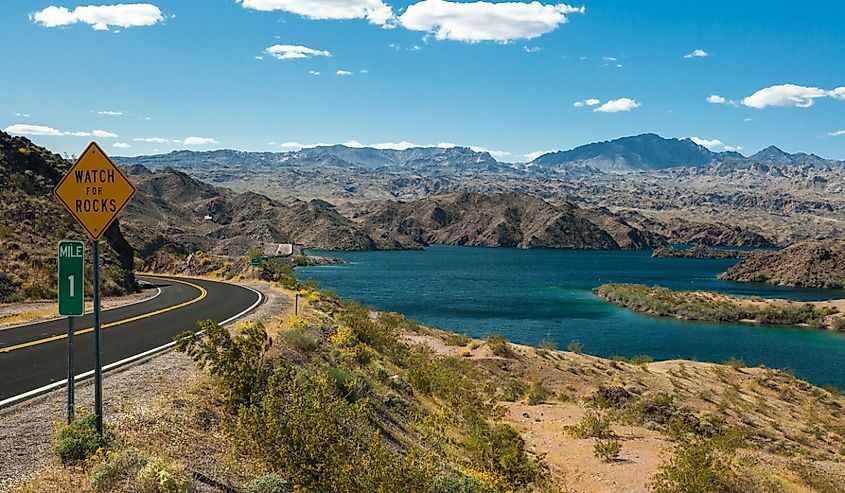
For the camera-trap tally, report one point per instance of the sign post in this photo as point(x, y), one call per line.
point(94, 190)
point(71, 302)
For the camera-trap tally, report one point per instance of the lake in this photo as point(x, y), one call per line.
point(531, 295)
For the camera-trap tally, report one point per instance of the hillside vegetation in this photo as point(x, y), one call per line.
point(32, 223)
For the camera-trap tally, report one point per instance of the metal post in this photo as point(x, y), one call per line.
point(70, 369)
point(98, 369)
point(296, 302)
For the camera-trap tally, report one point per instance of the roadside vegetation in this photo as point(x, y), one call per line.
point(713, 307)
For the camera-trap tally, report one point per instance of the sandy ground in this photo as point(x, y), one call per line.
point(27, 429)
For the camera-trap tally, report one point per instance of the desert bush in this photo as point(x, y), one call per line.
point(116, 468)
point(457, 482)
point(641, 359)
point(299, 340)
point(607, 450)
point(699, 465)
point(512, 391)
point(500, 346)
point(79, 440)
point(592, 425)
point(239, 360)
point(164, 476)
point(734, 363)
point(575, 347)
point(269, 483)
point(280, 272)
point(537, 393)
point(499, 451)
point(606, 397)
point(457, 340)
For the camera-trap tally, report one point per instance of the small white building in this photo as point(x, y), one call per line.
point(281, 250)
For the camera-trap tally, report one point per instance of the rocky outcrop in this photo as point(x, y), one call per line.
point(816, 264)
point(498, 220)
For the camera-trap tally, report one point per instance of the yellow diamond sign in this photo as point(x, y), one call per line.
point(94, 190)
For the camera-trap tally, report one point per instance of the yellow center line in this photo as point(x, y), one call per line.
point(203, 294)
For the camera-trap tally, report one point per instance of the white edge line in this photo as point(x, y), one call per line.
point(62, 383)
point(36, 322)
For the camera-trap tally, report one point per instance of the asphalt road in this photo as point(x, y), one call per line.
point(35, 355)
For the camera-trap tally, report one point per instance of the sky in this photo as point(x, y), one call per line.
point(515, 78)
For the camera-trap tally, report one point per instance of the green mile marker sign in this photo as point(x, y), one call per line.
point(71, 278)
point(256, 262)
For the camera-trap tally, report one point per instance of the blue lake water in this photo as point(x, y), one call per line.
point(531, 295)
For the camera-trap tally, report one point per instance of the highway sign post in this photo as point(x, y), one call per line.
point(71, 302)
point(94, 190)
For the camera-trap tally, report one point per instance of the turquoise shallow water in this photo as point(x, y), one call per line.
point(529, 295)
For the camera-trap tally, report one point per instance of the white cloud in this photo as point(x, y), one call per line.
point(100, 17)
point(154, 140)
point(258, 57)
point(534, 155)
point(617, 105)
point(313, 72)
point(24, 129)
point(23, 115)
point(578, 104)
point(199, 141)
point(697, 54)
point(365, 71)
point(790, 95)
point(714, 144)
point(531, 49)
point(609, 58)
point(837, 133)
point(289, 52)
point(586, 102)
point(121, 145)
point(375, 11)
point(496, 154)
point(394, 46)
point(415, 48)
point(716, 99)
point(343, 72)
point(110, 113)
point(474, 22)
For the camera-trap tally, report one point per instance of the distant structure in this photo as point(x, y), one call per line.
point(208, 217)
point(276, 250)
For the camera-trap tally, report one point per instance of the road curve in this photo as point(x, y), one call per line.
point(35, 355)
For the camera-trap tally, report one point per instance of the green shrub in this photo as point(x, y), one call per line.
point(500, 346)
point(607, 450)
point(537, 394)
point(238, 360)
point(164, 476)
point(499, 450)
point(79, 440)
point(119, 468)
point(512, 391)
point(280, 272)
point(592, 425)
point(299, 340)
point(457, 340)
point(456, 482)
point(641, 359)
point(699, 465)
point(575, 347)
point(734, 363)
point(269, 483)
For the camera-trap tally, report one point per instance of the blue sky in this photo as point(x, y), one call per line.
point(511, 77)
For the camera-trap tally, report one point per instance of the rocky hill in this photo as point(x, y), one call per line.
point(32, 223)
point(815, 264)
point(188, 215)
point(499, 220)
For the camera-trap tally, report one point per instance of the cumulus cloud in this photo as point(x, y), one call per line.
point(617, 105)
point(375, 11)
point(474, 22)
point(121, 145)
point(716, 99)
point(313, 72)
point(697, 54)
point(714, 144)
point(26, 129)
point(534, 155)
point(837, 133)
point(199, 141)
point(343, 72)
point(586, 102)
point(790, 95)
point(100, 17)
point(289, 52)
